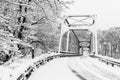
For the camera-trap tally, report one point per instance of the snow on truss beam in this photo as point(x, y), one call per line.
point(80, 20)
point(80, 28)
point(80, 16)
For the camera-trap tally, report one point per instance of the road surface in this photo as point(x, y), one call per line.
point(91, 69)
point(76, 68)
point(56, 69)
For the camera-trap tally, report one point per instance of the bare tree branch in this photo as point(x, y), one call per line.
point(44, 14)
point(56, 7)
point(5, 18)
point(49, 3)
point(23, 4)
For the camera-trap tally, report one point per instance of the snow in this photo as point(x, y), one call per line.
point(85, 68)
point(73, 68)
point(110, 58)
point(56, 69)
point(92, 69)
point(11, 71)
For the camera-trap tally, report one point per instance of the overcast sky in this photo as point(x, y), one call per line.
point(107, 11)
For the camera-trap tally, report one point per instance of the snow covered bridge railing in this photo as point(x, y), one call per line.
point(107, 61)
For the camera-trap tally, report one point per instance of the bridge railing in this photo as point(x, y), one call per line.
point(107, 61)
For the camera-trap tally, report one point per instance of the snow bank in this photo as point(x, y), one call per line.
point(13, 70)
point(92, 69)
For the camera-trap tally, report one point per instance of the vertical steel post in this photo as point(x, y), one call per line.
point(78, 45)
point(60, 42)
point(90, 42)
point(95, 37)
point(67, 45)
point(63, 30)
point(78, 48)
point(93, 43)
point(96, 46)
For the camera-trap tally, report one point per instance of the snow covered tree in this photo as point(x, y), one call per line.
point(110, 42)
point(29, 25)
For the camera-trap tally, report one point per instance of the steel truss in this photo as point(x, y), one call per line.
point(78, 22)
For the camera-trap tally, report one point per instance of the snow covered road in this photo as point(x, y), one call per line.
point(85, 68)
point(92, 69)
point(56, 69)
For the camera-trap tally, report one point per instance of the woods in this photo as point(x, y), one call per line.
point(29, 27)
point(109, 42)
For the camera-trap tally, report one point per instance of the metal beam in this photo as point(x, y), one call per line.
point(67, 22)
point(75, 35)
point(77, 40)
point(85, 41)
point(60, 42)
point(80, 16)
point(91, 42)
point(79, 27)
point(83, 20)
point(67, 45)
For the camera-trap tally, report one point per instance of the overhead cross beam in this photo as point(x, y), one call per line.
point(80, 20)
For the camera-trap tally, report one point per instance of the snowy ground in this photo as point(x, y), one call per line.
point(110, 58)
point(56, 69)
point(76, 68)
point(13, 70)
point(91, 69)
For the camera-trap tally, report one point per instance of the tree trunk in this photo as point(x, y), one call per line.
point(33, 55)
point(111, 50)
point(119, 46)
point(105, 49)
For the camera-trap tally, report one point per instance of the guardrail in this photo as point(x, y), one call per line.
point(107, 61)
point(26, 74)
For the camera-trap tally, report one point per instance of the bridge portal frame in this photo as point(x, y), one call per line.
point(66, 26)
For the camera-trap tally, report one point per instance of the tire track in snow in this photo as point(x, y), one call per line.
point(76, 73)
point(81, 72)
point(111, 75)
point(86, 71)
point(92, 66)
